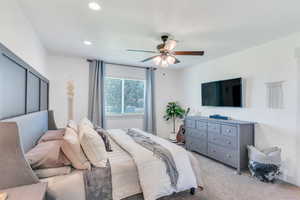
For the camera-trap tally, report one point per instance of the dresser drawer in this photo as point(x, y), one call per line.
point(196, 133)
point(214, 152)
point(188, 142)
point(229, 131)
point(190, 123)
point(215, 128)
point(198, 145)
point(222, 154)
point(201, 125)
point(228, 142)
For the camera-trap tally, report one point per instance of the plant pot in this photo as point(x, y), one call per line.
point(172, 137)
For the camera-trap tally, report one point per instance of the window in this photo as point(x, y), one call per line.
point(124, 96)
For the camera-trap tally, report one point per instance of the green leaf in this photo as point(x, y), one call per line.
point(173, 110)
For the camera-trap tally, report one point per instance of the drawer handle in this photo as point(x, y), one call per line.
point(228, 156)
point(228, 142)
point(228, 130)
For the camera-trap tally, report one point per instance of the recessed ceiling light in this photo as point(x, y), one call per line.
point(94, 6)
point(86, 42)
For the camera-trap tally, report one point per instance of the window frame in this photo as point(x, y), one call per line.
point(123, 114)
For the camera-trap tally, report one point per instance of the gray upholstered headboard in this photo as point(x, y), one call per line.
point(31, 127)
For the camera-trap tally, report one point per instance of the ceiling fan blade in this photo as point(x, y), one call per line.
point(176, 61)
point(189, 53)
point(147, 59)
point(143, 51)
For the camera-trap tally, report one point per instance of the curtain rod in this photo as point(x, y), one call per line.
point(132, 66)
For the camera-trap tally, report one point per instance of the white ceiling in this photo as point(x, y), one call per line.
point(219, 27)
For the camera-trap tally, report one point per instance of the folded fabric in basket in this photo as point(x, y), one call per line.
point(266, 156)
point(264, 164)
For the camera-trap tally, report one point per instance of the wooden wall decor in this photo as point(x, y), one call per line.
point(70, 94)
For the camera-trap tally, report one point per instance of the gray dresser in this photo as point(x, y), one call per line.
point(223, 140)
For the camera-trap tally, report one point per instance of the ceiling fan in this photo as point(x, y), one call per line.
point(166, 54)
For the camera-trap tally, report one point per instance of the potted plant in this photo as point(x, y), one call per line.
point(173, 112)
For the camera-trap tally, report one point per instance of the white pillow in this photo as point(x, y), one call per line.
point(86, 122)
point(72, 124)
point(72, 149)
point(93, 146)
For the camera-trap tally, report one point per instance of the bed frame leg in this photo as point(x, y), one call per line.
point(192, 191)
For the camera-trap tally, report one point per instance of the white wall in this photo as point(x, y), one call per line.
point(274, 61)
point(125, 121)
point(167, 89)
point(18, 35)
point(61, 70)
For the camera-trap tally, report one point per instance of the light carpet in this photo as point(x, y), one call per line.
point(221, 183)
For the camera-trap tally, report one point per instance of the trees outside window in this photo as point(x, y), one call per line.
point(124, 96)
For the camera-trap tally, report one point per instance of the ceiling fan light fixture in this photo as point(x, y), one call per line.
point(171, 59)
point(167, 56)
point(170, 44)
point(164, 63)
point(157, 60)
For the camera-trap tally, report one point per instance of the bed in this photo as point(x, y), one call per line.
point(23, 132)
point(136, 170)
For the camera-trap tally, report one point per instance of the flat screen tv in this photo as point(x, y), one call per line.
point(226, 93)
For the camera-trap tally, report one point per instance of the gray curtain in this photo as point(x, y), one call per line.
point(149, 116)
point(96, 109)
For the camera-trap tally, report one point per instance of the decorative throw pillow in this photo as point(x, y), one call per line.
point(86, 122)
point(52, 135)
point(93, 146)
point(72, 124)
point(72, 149)
point(47, 155)
point(104, 135)
point(46, 173)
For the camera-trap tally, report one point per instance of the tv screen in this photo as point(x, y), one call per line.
point(222, 93)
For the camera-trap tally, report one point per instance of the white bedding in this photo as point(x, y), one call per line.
point(66, 187)
point(125, 180)
point(125, 176)
point(152, 175)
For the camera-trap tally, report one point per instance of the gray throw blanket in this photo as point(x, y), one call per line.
point(158, 150)
point(98, 183)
